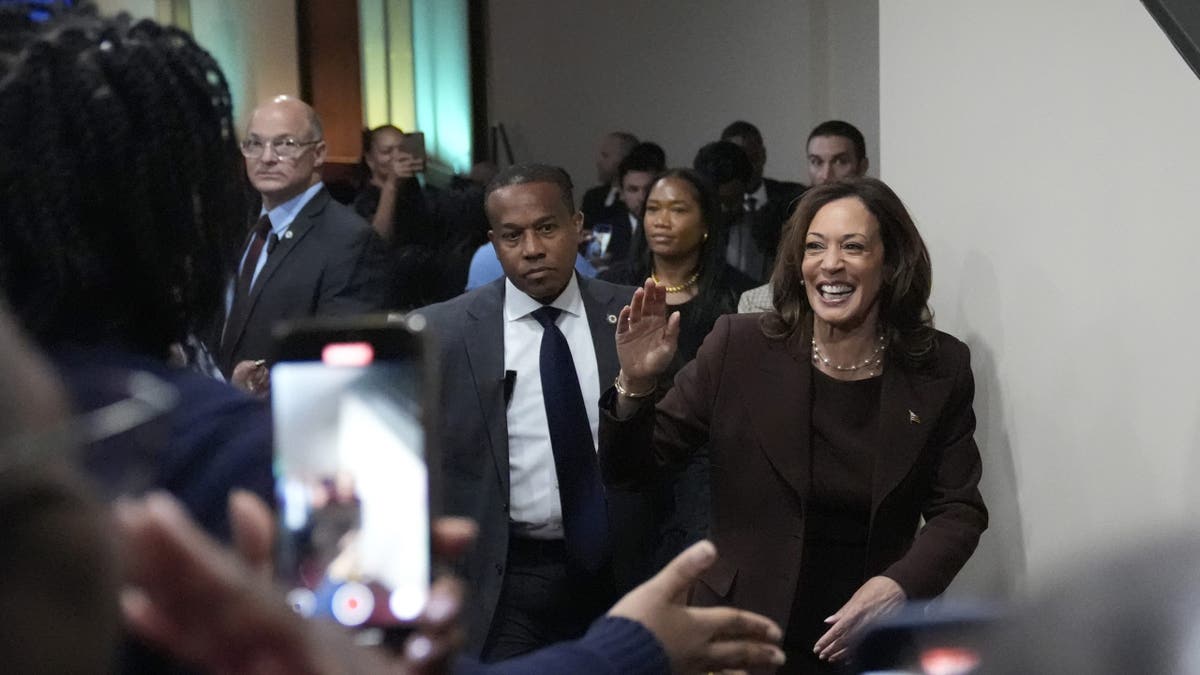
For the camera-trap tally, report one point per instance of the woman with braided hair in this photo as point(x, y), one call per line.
point(121, 207)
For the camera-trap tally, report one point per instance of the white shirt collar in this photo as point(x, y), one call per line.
point(518, 305)
point(759, 195)
point(283, 214)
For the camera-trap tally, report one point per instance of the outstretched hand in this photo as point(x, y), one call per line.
point(646, 337)
point(699, 639)
point(878, 597)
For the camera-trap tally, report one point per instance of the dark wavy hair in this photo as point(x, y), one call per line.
point(907, 276)
point(712, 249)
point(121, 185)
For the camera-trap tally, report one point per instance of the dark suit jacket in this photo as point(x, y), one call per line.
point(621, 242)
point(473, 433)
point(749, 397)
point(332, 264)
point(592, 204)
point(768, 224)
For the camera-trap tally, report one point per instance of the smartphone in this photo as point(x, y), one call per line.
point(414, 144)
point(355, 472)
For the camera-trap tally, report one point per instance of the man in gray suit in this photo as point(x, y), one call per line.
point(307, 255)
point(523, 362)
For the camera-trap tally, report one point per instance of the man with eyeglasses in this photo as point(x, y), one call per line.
point(306, 255)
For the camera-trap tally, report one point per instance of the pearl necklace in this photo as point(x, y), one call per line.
point(872, 361)
point(678, 287)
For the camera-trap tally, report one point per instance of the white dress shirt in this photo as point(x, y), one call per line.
point(759, 196)
point(534, 507)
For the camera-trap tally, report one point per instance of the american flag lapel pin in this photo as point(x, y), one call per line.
point(913, 417)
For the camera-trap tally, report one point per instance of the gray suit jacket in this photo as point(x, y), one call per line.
point(473, 436)
point(332, 264)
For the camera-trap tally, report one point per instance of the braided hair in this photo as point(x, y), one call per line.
point(121, 185)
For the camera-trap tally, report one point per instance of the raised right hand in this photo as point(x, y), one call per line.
point(646, 337)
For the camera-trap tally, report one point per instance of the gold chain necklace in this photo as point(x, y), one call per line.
point(679, 287)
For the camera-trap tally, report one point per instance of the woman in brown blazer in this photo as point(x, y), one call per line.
point(835, 423)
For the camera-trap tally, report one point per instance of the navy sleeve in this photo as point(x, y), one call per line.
point(613, 646)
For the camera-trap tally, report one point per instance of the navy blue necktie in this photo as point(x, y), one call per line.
point(584, 509)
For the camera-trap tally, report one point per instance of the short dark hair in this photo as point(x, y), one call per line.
point(723, 161)
point(908, 276)
point(368, 135)
point(843, 129)
point(648, 157)
point(521, 174)
point(741, 128)
point(123, 198)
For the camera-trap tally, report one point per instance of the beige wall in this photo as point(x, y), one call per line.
point(1047, 151)
point(255, 43)
point(676, 72)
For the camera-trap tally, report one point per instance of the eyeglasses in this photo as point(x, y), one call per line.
point(284, 147)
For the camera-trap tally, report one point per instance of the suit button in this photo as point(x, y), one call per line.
point(499, 569)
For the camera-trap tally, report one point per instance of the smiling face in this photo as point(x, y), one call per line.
point(535, 236)
point(275, 178)
point(843, 264)
point(674, 222)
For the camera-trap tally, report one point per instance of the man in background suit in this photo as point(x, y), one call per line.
point(308, 255)
point(546, 563)
point(614, 147)
point(768, 201)
point(835, 150)
point(639, 168)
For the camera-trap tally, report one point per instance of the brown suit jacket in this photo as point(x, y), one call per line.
point(749, 397)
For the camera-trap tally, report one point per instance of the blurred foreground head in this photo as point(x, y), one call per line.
point(121, 193)
point(58, 599)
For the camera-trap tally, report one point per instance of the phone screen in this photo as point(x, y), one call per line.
point(352, 483)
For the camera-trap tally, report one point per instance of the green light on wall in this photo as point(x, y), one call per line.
point(416, 74)
point(385, 36)
point(442, 73)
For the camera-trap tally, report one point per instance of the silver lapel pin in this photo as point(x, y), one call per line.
point(914, 417)
point(612, 318)
point(287, 235)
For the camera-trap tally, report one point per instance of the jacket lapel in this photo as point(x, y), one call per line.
point(484, 343)
point(599, 304)
point(908, 412)
point(780, 396)
point(303, 223)
point(300, 227)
